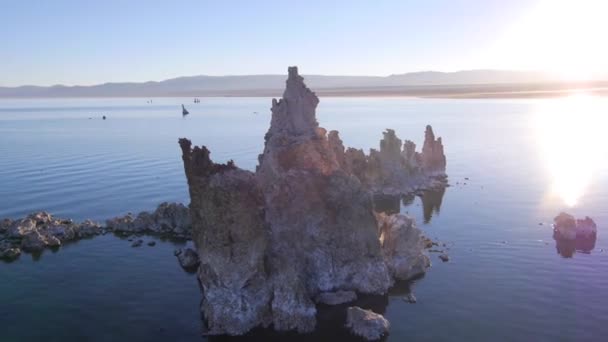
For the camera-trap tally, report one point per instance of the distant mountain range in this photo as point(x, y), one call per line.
point(272, 85)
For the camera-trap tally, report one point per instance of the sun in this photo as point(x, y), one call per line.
point(563, 37)
point(572, 143)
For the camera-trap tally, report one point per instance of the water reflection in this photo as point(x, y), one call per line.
point(391, 204)
point(566, 248)
point(431, 203)
point(570, 133)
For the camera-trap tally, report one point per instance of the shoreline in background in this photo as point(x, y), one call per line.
point(494, 91)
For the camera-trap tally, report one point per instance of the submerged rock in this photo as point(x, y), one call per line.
point(8, 251)
point(366, 324)
point(410, 298)
point(269, 242)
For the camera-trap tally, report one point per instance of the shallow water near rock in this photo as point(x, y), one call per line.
point(505, 278)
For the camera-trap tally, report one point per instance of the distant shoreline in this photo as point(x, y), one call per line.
point(499, 91)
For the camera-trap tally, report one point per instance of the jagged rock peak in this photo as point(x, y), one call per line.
point(198, 162)
point(433, 158)
point(390, 145)
point(295, 112)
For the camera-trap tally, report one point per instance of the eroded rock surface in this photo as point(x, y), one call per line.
point(303, 224)
point(397, 168)
point(168, 218)
point(403, 246)
point(232, 238)
point(41, 230)
point(366, 324)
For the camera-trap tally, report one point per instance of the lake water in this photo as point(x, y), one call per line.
point(513, 166)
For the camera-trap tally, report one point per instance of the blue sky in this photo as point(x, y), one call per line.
point(88, 42)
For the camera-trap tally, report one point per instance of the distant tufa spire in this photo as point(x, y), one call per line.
point(295, 112)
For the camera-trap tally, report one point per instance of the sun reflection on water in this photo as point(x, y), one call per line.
point(571, 135)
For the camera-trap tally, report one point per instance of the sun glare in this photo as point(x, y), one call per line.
point(572, 142)
point(564, 37)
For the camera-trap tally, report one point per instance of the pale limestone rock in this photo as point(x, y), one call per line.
point(366, 324)
point(402, 246)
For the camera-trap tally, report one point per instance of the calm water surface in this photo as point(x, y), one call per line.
point(513, 165)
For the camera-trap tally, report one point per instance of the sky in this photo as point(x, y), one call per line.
point(89, 42)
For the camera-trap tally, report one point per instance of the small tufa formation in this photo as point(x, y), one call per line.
point(168, 219)
point(432, 156)
point(41, 230)
point(302, 227)
point(397, 168)
point(402, 246)
point(566, 227)
point(366, 324)
point(572, 235)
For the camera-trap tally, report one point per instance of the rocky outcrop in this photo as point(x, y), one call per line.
point(299, 228)
point(397, 168)
point(569, 228)
point(366, 324)
point(41, 230)
point(432, 156)
point(8, 251)
point(572, 235)
point(402, 246)
point(168, 219)
point(232, 238)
